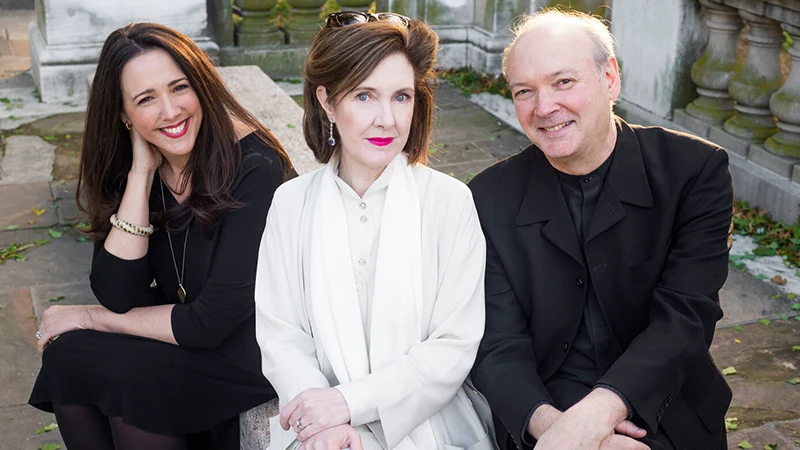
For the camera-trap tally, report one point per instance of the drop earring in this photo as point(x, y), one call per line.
point(331, 140)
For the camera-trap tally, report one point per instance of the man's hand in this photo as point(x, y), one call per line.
point(336, 438)
point(315, 410)
point(592, 423)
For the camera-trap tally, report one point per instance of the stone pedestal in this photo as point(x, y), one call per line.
point(759, 78)
point(256, 28)
point(785, 105)
point(713, 71)
point(657, 42)
point(68, 35)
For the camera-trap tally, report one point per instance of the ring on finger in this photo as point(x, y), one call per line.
point(38, 334)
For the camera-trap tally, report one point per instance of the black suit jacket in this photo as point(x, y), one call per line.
point(657, 252)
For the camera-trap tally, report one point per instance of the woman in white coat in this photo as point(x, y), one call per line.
point(369, 292)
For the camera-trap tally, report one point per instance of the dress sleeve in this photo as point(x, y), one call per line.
point(419, 384)
point(227, 296)
point(119, 284)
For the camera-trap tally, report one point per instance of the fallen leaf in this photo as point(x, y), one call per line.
point(791, 296)
point(737, 341)
point(731, 423)
point(41, 241)
point(2, 307)
point(38, 212)
point(57, 298)
point(784, 317)
point(796, 306)
point(744, 444)
point(794, 381)
point(46, 428)
point(774, 296)
point(12, 227)
point(68, 136)
point(49, 447)
point(779, 280)
point(730, 370)
point(49, 138)
point(770, 446)
point(765, 322)
point(738, 328)
point(761, 276)
point(31, 222)
point(55, 234)
point(796, 348)
point(290, 125)
point(82, 239)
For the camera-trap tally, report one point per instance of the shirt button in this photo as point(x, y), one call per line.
point(362, 205)
point(362, 262)
point(587, 179)
point(359, 287)
point(363, 219)
point(580, 282)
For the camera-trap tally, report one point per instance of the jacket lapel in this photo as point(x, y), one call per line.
point(544, 201)
point(626, 183)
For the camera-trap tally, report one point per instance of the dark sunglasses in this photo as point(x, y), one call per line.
point(344, 18)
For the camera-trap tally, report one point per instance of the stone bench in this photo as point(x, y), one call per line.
point(278, 112)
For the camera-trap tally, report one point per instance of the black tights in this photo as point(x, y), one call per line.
point(84, 427)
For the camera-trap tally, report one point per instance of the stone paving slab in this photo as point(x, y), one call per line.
point(467, 124)
point(744, 300)
point(78, 293)
point(444, 154)
point(18, 427)
point(784, 434)
point(61, 261)
point(67, 123)
point(68, 212)
point(21, 360)
point(18, 203)
point(504, 146)
point(28, 159)
point(464, 171)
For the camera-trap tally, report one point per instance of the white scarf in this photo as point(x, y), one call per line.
point(397, 304)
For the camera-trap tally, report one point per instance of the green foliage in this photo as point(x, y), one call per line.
point(471, 82)
point(788, 41)
point(280, 14)
point(773, 238)
point(373, 8)
point(329, 7)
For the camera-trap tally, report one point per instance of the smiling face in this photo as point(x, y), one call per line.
point(562, 100)
point(160, 103)
point(374, 119)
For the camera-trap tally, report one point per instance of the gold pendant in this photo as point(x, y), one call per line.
point(181, 293)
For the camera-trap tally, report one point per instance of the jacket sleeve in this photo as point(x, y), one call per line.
point(288, 352)
point(227, 296)
point(505, 370)
point(685, 303)
point(419, 384)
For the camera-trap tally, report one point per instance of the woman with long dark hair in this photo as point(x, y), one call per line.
point(176, 179)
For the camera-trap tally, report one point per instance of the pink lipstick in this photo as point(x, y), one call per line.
point(176, 131)
point(380, 142)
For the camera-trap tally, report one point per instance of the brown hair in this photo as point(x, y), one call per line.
point(107, 155)
point(343, 57)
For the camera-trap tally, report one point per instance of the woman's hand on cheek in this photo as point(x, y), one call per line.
point(146, 157)
point(315, 410)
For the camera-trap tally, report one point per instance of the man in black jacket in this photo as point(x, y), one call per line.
point(607, 247)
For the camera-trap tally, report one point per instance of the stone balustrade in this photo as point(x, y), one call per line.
point(749, 105)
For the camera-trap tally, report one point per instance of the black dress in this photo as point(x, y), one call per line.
point(214, 374)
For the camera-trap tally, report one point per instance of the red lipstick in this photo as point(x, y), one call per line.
point(380, 142)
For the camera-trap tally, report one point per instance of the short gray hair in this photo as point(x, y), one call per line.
point(595, 29)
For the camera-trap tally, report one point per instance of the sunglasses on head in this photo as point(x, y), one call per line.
point(341, 19)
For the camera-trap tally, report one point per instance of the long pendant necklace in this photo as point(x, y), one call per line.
point(181, 290)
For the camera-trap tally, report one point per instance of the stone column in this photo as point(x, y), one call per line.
point(713, 71)
point(785, 105)
point(758, 79)
point(256, 28)
point(305, 22)
point(68, 35)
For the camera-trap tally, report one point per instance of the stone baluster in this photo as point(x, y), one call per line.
point(356, 5)
point(785, 105)
point(256, 28)
point(758, 79)
point(305, 22)
point(712, 73)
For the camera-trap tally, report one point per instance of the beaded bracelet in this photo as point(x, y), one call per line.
point(129, 227)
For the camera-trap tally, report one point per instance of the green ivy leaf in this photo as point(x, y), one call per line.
point(796, 306)
point(796, 348)
point(784, 317)
point(765, 322)
point(770, 446)
point(730, 370)
point(55, 234)
point(744, 444)
point(794, 381)
point(46, 428)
